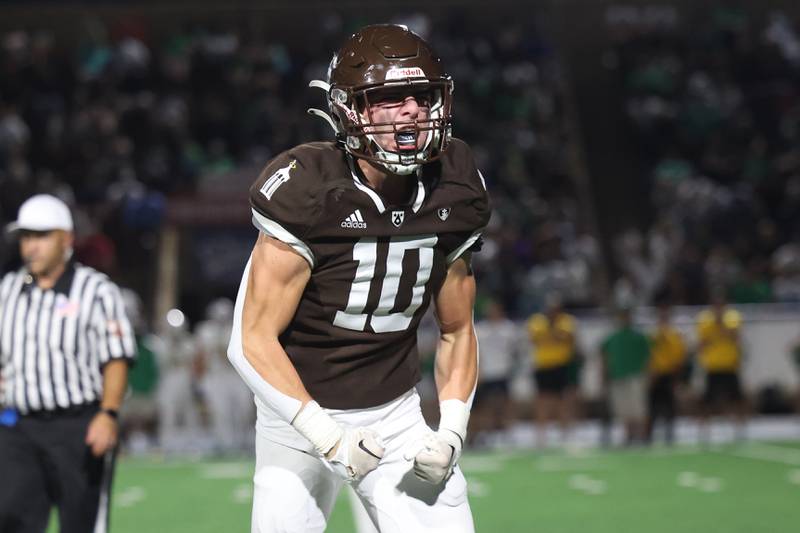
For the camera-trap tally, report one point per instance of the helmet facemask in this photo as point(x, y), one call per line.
point(354, 109)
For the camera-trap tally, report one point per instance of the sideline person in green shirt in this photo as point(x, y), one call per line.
point(626, 353)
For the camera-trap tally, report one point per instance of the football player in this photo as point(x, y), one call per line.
point(230, 405)
point(357, 237)
point(178, 415)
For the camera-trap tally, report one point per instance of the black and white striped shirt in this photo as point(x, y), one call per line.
point(54, 343)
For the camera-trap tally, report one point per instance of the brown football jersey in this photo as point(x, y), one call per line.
point(374, 266)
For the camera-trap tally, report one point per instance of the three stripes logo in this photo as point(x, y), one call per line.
point(354, 221)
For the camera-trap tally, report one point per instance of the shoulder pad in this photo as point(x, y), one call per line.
point(465, 193)
point(290, 191)
point(459, 165)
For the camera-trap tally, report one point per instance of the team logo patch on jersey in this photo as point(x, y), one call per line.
point(280, 177)
point(443, 213)
point(354, 221)
point(398, 217)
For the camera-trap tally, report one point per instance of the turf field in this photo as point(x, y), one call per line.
point(747, 488)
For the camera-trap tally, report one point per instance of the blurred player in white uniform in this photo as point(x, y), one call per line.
point(230, 403)
point(179, 420)
point(500, 342)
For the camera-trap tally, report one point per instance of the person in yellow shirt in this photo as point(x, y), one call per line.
point(552, 336)
point(667, 359)
point(719, 354)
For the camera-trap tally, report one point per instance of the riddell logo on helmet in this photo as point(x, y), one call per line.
point(409, 72)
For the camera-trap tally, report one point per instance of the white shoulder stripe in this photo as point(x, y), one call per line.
point(420, 196)
point(458, 252)
point(275, 230)
point(483, 181)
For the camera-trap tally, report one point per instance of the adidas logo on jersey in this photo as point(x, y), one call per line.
point(354, 221)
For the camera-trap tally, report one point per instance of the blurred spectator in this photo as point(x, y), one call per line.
point(552, 335)
point(668, 357)
point(129, 118)
point(713, 102)
point(626, 353)
point(752, 286)
point(719, 353)
point(786, 266)
point(644, 262)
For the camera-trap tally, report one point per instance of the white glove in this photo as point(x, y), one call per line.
point(435, 455)
point(356, 451)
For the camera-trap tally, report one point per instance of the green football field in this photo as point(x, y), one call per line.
point(747, 488)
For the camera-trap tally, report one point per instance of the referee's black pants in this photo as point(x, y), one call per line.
point(44, 461)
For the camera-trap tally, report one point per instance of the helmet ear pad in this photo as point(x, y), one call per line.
point(381, 57)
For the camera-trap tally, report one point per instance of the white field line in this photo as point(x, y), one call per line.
point(477, 488)
point(688, 480)
point(693, 480)
point(587, 485)
point(711, 484)
point(243, 493)
point(565, 464)
point(129, 497)
point(226, 471)
point(767, 452)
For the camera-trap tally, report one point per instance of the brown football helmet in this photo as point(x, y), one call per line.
point(385, 58)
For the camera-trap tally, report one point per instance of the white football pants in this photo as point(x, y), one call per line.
point(295, 491)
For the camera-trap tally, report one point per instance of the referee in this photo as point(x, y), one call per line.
point(65, 345)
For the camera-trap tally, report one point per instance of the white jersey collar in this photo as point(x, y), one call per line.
point(419, 196)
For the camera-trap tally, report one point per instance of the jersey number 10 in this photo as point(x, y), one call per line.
point(382, 320)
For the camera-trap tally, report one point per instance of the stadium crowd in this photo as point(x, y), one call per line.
point(715, 104)
point(122, 119)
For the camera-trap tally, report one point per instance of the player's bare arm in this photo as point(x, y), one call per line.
point(278, 276)
point(457, 352)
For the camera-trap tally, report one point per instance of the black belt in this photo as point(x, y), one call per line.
point(72, 410)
